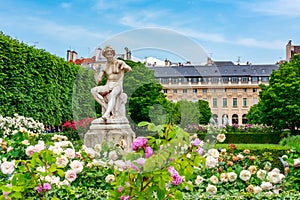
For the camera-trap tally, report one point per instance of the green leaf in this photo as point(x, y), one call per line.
point(178, 195)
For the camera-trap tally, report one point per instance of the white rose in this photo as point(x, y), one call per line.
point(113, 155)
point(25, 142)
point(213, 152)
point(70, 175)
point(213, 179)
point(266, 185)
point(211, 162)
point(257, 189)
point(221, 137)
point(40, 146)
point(199, 180)
point(98, 148)
point(224, 177)
point(110, 178)
point(245, 175)
point(8, 167)
point(70, 153)
point(273, 177)
point(211, 189)
point(77, 166)
point(62, 161)
point(30, 150)
point(232, 176)
point(261, 174)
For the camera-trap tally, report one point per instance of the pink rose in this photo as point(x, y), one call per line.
point(148, 152)
point(139, 142)
point(196, 142)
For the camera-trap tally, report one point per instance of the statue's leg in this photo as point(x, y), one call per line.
point(112, 101)
point(95, 93)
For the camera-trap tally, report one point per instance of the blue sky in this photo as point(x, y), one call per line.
point(254, 30)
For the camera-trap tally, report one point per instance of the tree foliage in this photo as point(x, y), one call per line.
point(279, 103)
point(35, 83)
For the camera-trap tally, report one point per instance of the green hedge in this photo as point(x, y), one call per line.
point(251, 138)
point(35, 83)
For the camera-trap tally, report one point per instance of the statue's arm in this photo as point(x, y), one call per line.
point(98, 77)
point(125, 67)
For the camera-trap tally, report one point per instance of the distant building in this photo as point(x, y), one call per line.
point(96, 60)
point(230, 89)
point(291, 50)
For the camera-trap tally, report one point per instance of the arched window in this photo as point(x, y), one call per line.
point(235, 119)
point(215, 117)
point(244, 119)
point(224, 119)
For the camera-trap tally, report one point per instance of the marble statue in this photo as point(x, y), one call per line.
point(113, 126)
point(110, 96)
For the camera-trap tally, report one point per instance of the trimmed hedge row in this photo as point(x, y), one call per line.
point(251, 138)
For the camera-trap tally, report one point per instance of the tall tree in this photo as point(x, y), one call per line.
point(279, 103)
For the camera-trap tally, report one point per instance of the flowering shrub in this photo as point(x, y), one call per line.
point(249, 128)
point(12, 125)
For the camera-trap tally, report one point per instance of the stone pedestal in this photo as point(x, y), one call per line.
point(112, 130)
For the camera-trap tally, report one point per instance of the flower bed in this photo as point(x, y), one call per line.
point(170, 165)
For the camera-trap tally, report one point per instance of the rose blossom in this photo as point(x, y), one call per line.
point(200, 151)
point(196, 142)
point(213, 179)
point(199, 180)
point(30, 150)
point(257, 189)
point(141, 161)
point(224, 177)
point(77, 166)
point(70, 153)
point(245, 175)
point(261, 174)
point(8, 167)
point(113, 155)
point(232, 176)
point(43, 188)
point(250, 189)
point(139, 142)
point(148, 152)
point(252, 169)
point(213, 152)
point(297, 162)
point(211, 162)
point(177, 179)
point(211, 189)
point(110, 178)
point(266, 185)
point(70, 175)
point(274, 177)
point(120, 188)
point(221, 137)
point(62, 161)
point(125, 198)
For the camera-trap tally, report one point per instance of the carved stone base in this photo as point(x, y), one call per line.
point(111, 130)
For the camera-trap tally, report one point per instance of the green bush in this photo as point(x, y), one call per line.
point(292, 141)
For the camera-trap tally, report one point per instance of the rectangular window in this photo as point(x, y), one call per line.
point(244, 79)
point(264, 79)
point(244, 102)
point(165, 91)
point(255, 79)
point(225, 79)
point(214, 79)
point(234, 102)
point(254, 90)
point(214, 90)
point(204, 80)
point(224, 89)
point(195, 91)
point(164, 80)
point(194, 80)
point(244, 89)
point(175, 80)
point(215, 102)
point(184, 91)
point(234, 79)
point(204, 90)
point(184, 80)
point(234, 90)
point(255, 100)
point(225, 102)
point(175, 91)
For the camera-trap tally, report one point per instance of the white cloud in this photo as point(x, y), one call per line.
point(275, 7)
point(252, 42)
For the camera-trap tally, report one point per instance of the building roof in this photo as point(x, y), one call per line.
point(214, 70)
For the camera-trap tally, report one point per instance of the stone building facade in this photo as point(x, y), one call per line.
point(230, 89)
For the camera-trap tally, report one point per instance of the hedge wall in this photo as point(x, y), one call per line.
point(251, 138)
point(35, 83)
